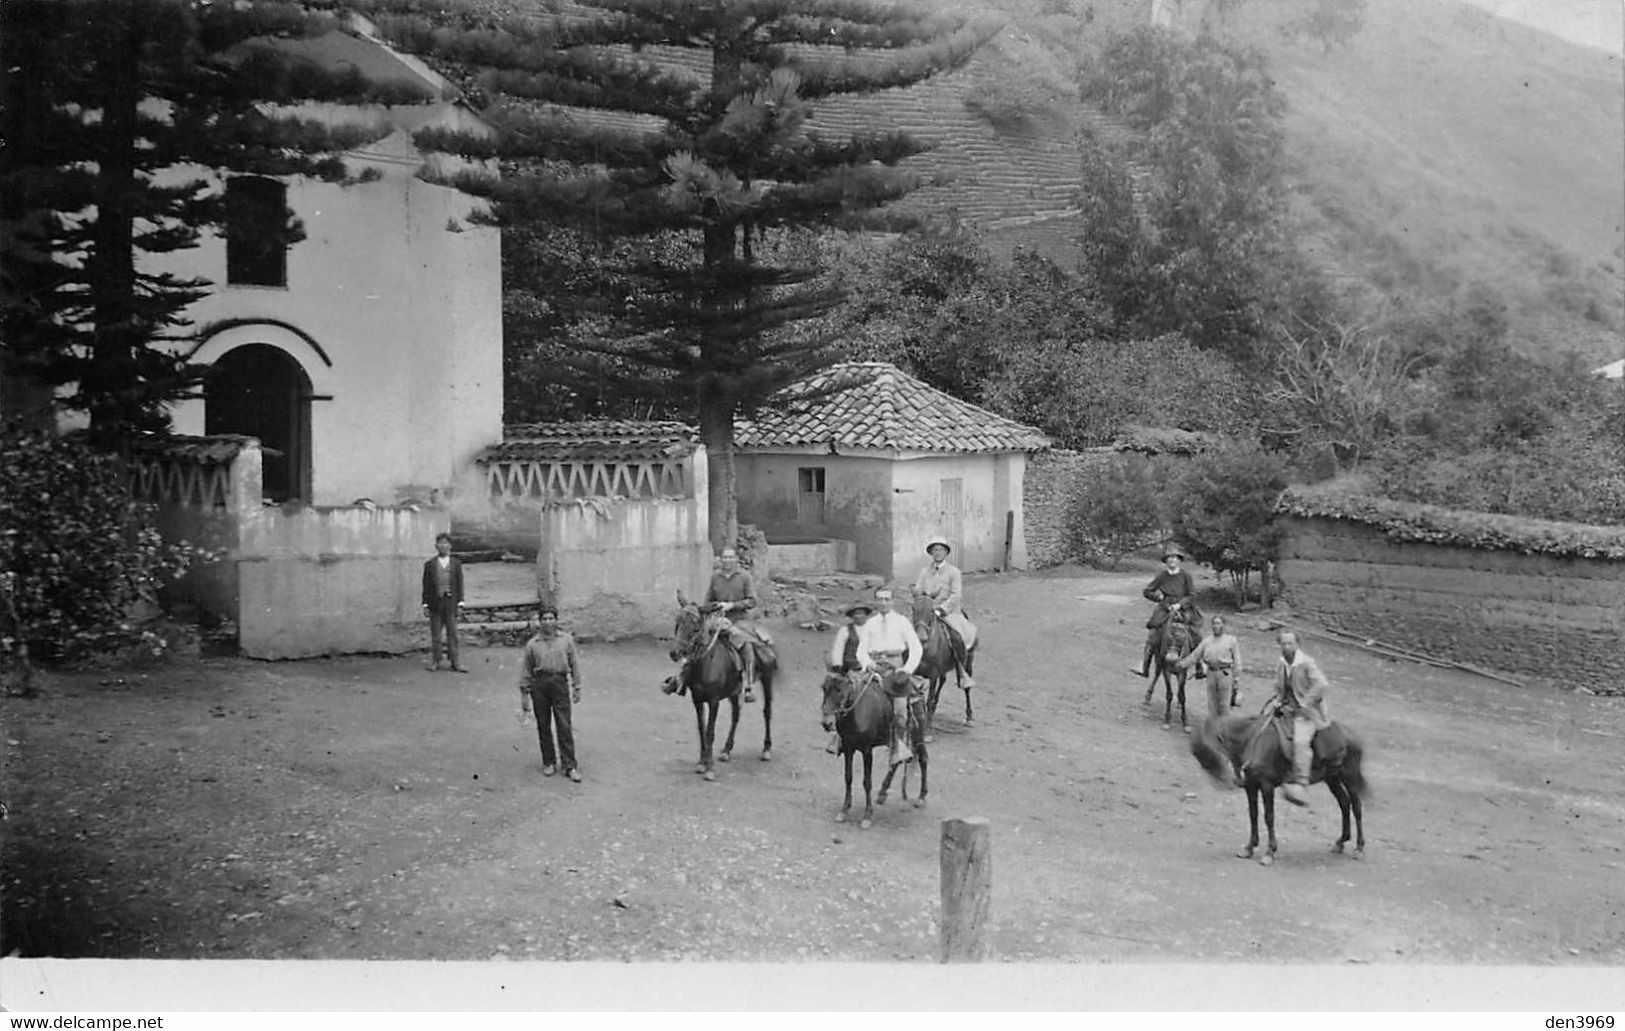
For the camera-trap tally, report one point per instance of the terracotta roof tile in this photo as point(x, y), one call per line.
point(215, 450)
point(600, 440)
point(876, 405)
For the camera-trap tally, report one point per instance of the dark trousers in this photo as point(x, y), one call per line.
point(443, 620)
point(550, 701)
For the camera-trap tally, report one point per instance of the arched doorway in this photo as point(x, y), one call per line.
point(260, 391)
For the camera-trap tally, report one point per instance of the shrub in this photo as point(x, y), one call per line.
point(1224, 511)
point(76, 551)
point(1118, 507)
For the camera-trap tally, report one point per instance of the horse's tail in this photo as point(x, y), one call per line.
point(1209, 749)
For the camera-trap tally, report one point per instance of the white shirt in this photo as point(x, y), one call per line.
point(889, 632)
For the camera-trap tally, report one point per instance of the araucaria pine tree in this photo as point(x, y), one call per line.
point(655, 120)
point(118, 117)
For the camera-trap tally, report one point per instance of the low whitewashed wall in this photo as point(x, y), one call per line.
point(329, 581)
point(615, 566)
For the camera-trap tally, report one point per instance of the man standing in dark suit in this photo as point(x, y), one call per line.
point(442, 601)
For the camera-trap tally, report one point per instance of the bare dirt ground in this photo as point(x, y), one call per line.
point(365, 808)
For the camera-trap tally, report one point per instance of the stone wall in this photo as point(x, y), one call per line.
point(1537, 615)
point(1050, 491)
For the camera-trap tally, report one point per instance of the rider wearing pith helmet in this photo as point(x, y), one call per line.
point(942, 582)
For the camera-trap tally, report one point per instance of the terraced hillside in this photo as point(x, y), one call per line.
point(1445, 152)
point(1015, 181)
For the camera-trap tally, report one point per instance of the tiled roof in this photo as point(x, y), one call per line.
point(601, 440)
point(215, 450)
point(876, 405)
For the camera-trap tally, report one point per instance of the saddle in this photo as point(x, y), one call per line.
point(1329, 744)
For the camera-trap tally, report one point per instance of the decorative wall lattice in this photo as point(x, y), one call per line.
point(167, 481)
point(540, 480)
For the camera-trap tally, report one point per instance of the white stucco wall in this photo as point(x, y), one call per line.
point(890, 504)
point(403, 294)
point(990, 487)
point(857, 500)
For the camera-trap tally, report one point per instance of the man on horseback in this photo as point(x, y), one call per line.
point(731, 592)
point(942, 582)
point(888, 645)
point(843, 654)
point(1174, 591)
point(1300, 695)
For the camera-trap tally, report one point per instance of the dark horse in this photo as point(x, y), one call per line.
point(856, 707)
point(1175, 640)
point(1237, 748)
point(937, 660)
point(701, 637)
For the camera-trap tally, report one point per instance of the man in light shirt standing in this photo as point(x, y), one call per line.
point(888, 645)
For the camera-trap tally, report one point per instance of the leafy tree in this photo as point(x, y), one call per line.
point(76, 551)
point(1202, 250)
point(110, 108)
point(1118, 507)
point(700, 127)
point(1027, 339)
point(1223, 512)
point(1331, 23)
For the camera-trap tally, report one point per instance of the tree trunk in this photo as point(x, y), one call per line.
point(113, 397)
point(717, 430)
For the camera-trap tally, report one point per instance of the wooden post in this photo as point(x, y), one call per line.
point(967, 890)
point(1009, 538)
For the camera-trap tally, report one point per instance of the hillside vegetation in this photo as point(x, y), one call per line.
point(1441, 157)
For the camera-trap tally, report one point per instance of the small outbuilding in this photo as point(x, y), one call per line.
point(873, 456)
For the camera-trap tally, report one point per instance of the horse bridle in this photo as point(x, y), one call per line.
point(866, 682)
point(716, 634)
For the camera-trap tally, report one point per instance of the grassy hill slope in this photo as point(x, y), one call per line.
point(1447, 148)
point(1445, 153)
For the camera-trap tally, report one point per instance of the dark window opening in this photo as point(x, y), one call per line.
point(810, 497)
point(258, 232)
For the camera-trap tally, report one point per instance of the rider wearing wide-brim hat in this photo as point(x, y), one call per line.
point(1174, 591)
point(843, 653)
point(942, 582)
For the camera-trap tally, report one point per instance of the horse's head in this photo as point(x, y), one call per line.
point(837, 696)
point(925, 609)
point(1177, 637)
point(688, 627)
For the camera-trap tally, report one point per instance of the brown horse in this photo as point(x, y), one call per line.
point(1175, 640)
point(856, 707)
point(1240, 748)
point(701, 639)
point(937, 660)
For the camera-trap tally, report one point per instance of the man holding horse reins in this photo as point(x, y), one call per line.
point(942, 582)
point(843, 653)
point(1220, 652)
point(888, 645)
point(1174, 591)
point(1300, 695)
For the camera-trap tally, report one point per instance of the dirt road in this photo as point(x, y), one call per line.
point(365, 808)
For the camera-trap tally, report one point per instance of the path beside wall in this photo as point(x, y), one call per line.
point(1539, 615)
